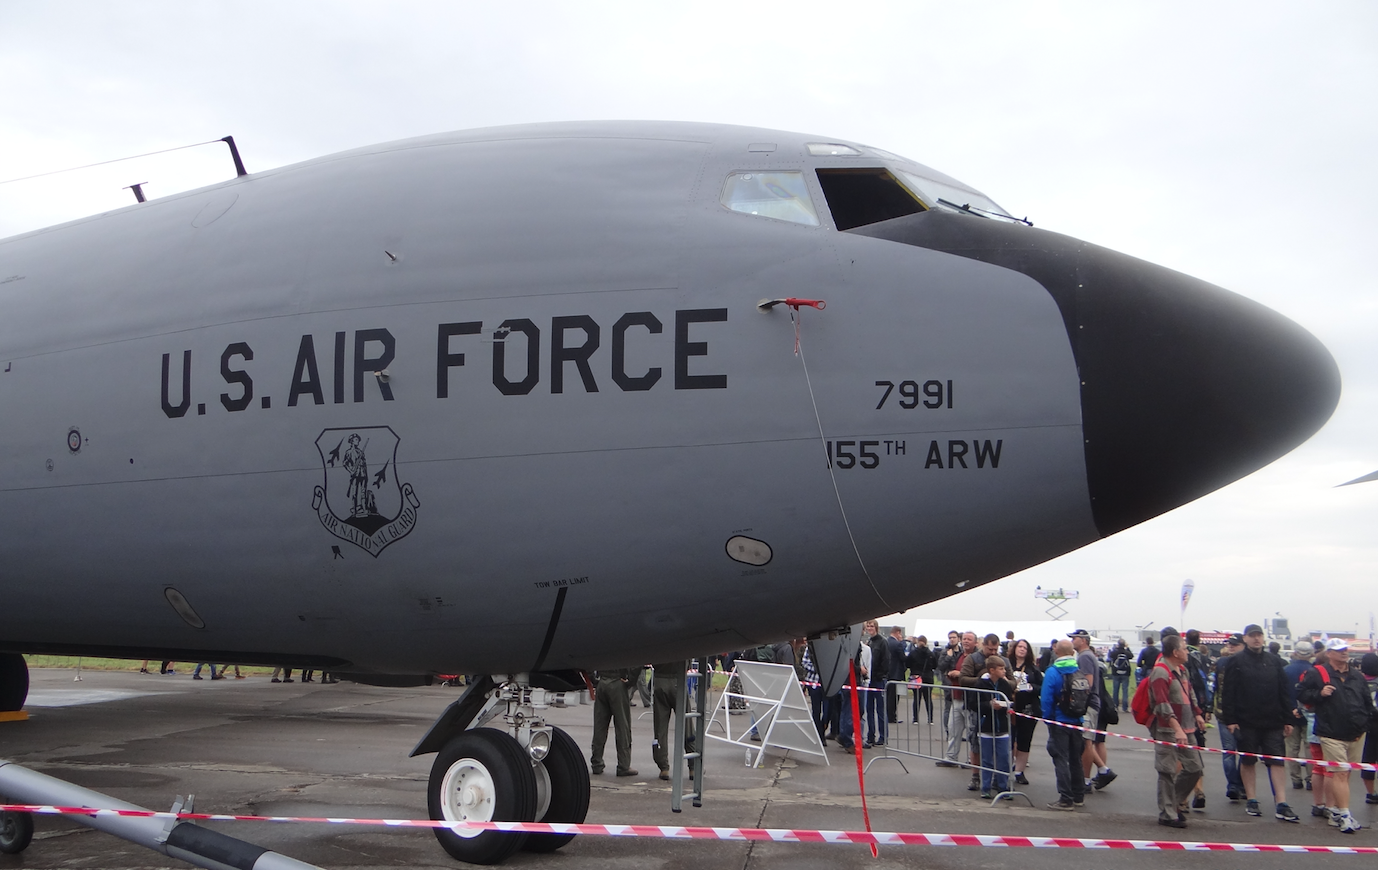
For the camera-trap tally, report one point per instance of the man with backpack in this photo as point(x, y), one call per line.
point(1094, 755)
point(1066, 698)
point(1174, 708)
point(1258, 712)
point(1197, 665)
point(1148, 657)
point(1344, 708)
point(1121, 666)
point(1296, 741)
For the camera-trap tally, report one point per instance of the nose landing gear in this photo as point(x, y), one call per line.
point(529, 771)
point(481, 776)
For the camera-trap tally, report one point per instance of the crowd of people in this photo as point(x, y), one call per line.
point(994, 693)
point(1319, 705)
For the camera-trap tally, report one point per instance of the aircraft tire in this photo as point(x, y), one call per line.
point(569, 791)
point(16, 832)
point(482, 775)
point(14, 682)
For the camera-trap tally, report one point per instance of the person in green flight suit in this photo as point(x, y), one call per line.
point(665, 695)
point(612, 703)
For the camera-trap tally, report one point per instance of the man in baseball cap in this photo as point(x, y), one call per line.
point(1302, 655)
point(1344, 707)
point(1257, 711)
point(1095, 765)
point(1234, 785)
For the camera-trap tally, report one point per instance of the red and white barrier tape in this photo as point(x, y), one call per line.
point(1349, 765)
point(777, 835)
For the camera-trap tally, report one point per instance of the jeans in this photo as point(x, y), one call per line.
point(995, 752)
point(197, 672)
point(922, 694)
point(1065, 746)
point(876, 715)
point(1119, 691)
point(849, 729)
point(1230, 762)
point(819, 702)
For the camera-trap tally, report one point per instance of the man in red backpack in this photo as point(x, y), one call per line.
point(1344, 708)
point(1174, 709)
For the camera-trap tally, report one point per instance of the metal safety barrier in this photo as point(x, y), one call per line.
point(956, 732)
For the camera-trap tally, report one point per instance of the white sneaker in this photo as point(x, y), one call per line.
point(1348, 824)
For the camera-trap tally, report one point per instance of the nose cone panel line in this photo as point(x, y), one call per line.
point(1186, 386)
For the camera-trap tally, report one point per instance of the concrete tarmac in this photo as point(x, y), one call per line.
point(253, 747)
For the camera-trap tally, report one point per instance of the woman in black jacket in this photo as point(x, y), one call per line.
point(1028, 681)
point(922, 661)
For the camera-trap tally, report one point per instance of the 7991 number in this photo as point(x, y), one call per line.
point(935, 394)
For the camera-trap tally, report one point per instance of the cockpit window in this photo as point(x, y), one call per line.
point(780, 195)
point(941, 194)
point(858, 197)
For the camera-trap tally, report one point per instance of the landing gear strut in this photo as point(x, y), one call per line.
point(529, 771)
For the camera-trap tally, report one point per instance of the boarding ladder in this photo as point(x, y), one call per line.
point(689, 741)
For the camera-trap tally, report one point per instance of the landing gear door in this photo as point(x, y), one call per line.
point(832, 652)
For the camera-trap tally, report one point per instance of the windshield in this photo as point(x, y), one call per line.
point(942, 194)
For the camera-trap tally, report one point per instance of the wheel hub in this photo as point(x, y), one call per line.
point(467, 794)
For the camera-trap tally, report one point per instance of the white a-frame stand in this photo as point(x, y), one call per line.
point(779, 713)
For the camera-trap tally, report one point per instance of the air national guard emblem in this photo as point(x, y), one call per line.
point(361, 499)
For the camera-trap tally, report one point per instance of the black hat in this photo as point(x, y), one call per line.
point(1080, 632)
point(1168, 631)
point(1235, 640)
point(1253, 628)
point(1369, 664)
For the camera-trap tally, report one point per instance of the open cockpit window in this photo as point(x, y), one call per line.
point(858, 197)
point(783, 196)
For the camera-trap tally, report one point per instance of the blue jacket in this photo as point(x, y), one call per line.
point(1052, 690)
point(1295, 671)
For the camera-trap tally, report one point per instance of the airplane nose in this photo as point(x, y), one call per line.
point(1186, 386)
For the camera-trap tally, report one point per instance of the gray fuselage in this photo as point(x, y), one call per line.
point(578, 405)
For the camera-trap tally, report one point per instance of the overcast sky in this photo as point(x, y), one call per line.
point(1236, 142)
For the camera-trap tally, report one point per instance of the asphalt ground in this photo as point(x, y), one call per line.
point(253, 747)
